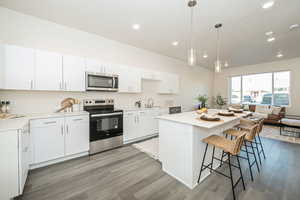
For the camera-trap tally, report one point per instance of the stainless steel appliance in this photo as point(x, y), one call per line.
point(101, 82)
point(106, 125)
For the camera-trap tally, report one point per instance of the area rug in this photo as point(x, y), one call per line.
point(149, 147)
point(273, 132)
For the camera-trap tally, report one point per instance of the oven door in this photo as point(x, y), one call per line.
point(103, 126)
point(101, 82)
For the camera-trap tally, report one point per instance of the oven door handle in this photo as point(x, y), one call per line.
point(108, 114)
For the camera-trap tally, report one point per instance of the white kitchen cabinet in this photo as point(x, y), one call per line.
point(130, 126)
point(18, 67)
point(77, 137)
point(140, 124)
point(57, 139)
point(48, 72)
point(150, 75)
point(130, 80)
point(48, 137)
point(169, 84)
point(9, 166)
point(24, 156)
point(98, 66)
point(73, 73)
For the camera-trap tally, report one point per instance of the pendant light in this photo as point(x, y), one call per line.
point(218, 64)
point(192, 51)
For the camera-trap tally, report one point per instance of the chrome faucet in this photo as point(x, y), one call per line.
point(150, 103)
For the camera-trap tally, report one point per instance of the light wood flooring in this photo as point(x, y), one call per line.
point(128, 174)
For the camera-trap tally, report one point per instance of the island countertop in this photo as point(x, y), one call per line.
point(193, 118)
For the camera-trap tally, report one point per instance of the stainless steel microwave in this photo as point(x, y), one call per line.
point(101, 82)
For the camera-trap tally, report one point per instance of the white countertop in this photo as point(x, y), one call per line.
point(128, 109)
point(19, 123)
point(191, 118)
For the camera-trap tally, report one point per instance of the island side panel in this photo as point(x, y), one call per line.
point(175, 150)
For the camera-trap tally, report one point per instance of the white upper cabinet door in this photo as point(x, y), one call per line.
point(74, 73)
point(169, 84)
point(77, 134)
point(93, 66)
point(130, 80)
point(48, 71)
point(150, 75)
point(18, 67)
point(49, 139)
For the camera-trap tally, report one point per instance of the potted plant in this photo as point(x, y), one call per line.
point(220, 101)
point(202, 101)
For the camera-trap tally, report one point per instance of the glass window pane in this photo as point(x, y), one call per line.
point(281, 88)
point(235, 90)
point(257, 89)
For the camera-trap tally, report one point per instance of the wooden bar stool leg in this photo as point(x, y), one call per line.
point(212, 158)
point(262, 147)
point(202, 162)
point(248, 158)
point(241, 173)
point(254, 156)
point(231, 178)
point(256, 147)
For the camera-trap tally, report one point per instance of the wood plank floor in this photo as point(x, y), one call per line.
point(128, 174)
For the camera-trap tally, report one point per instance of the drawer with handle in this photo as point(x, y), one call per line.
point(46, 122)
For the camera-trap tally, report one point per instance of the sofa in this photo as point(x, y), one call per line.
point(271, 114)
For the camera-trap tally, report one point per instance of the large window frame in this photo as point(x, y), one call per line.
point(241, 85)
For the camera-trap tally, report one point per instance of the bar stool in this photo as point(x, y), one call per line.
point(249, 138)
point(231, 148)
point(246, 125)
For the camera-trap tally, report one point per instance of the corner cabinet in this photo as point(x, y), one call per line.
point(55, 139)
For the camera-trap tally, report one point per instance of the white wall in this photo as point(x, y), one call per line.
point(28, 31)
point(221, 80)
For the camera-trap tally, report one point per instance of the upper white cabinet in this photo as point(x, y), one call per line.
point(48, 72)
point(169, 84)
point(129, 80)
point(150, 75)
point(100, 67)
point(18, 65)
point(73, 73)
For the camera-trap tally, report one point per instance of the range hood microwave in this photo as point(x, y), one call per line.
point(101, 82)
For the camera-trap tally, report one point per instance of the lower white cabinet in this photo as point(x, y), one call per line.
point(15, 160)
point(48, 139)
point(77, 135)
point(56, 138)
point(139, 125)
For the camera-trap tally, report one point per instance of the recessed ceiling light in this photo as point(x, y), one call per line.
point(279, 54)
point(268, 4)
point(175, 43)
point(205, 55)
point(271, 39)
point(294, 26)
point(269, 33)
point(136, 26)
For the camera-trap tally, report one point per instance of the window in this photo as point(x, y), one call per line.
point(266, 88)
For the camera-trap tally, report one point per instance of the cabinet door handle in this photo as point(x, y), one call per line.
point(62, 130)
point(31, 84)
point(52, 122)
point(67, 129)
point(77, 119)
point(65, 85)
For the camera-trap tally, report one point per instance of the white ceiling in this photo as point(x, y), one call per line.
point(163, 21)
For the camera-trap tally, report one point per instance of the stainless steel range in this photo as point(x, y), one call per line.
point(106, 125)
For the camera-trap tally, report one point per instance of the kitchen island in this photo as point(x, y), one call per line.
point(180, 143)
